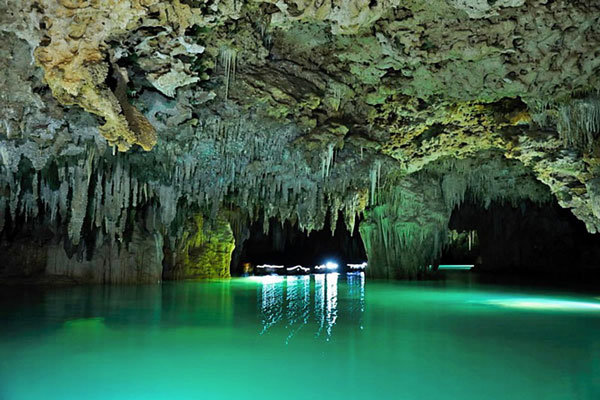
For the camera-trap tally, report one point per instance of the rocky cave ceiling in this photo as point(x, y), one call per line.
point(123, 116)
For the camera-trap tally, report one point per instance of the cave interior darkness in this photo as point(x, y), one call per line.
point(285, 244)
point(542, 240)
point(539, 239)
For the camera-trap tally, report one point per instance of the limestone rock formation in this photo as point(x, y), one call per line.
point(203, 252)
point(36, 258)
point(388, 113)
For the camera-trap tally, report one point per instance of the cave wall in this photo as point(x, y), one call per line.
point(204, 251)
point(28, 259)
point(34, 253)
point(123, 120)
point(139, 261)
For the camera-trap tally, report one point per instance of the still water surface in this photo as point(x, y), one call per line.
point(319, 337)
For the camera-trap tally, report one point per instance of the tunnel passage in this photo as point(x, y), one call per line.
point(286, 244)
point(527, 238)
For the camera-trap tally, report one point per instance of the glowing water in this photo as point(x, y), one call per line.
point(455, 267)
point(328, 336)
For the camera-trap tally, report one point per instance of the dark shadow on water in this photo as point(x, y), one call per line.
point(585, 283)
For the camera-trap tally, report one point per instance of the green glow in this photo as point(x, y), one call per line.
point(546, 304)
point(456, 267)
point(324, 336)
point(266, 279)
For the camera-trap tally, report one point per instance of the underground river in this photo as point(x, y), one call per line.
point(329, 336)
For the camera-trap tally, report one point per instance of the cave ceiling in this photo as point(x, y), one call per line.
point(387, 111)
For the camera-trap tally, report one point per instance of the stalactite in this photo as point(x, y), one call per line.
point(218, 170)
point(406, 230)
point(483, 184)
point(15, 193)
point(375, 180)
point(228, 60)
point(454, 188)
point(2, 213)
point(541, 112)
point(327, 161)
point(168, 204)
point(80, 181)
point(579, 122)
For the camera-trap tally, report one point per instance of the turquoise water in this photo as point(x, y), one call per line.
point(320, 337)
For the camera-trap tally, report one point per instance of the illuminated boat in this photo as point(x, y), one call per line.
point(297, 270)
point(269, 269)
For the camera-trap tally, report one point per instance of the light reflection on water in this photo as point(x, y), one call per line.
point(356, 283)
point(288, 301)
point(331, 337)
point(271, 302)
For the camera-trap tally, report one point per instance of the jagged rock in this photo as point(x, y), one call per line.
point(45, 260)
point(484, 8)
point(390, 112)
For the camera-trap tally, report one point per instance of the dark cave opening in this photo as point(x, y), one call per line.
point(529, 238)
point(286, 244)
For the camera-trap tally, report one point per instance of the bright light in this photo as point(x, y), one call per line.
point(546, 304)
point(329, 265)
point(358, 266)
point(268, 266)
point(300, 267)
point(456, 267)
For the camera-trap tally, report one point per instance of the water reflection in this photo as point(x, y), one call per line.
point(296, 302)
point(177, 340)
point(298, 299)
point(331, 306)
point(320, 301)
point(356, 284)
point(311, 305)
point(271, 301)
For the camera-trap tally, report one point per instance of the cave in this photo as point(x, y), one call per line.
point(284, 244)
point(529, 239)
point(540, 242)
point(224, 198)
